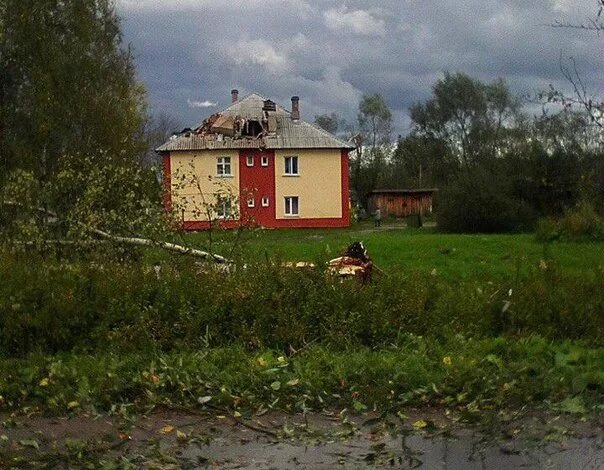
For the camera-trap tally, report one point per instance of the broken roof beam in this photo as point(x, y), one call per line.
point(224, 124)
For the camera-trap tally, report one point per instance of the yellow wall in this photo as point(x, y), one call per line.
point(319, 186)
point(190, 168)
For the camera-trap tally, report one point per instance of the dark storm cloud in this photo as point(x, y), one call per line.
point(192, 52)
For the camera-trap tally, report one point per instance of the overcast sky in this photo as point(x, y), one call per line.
point(190, 53)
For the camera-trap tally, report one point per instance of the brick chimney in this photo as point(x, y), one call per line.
point(295, 108)
point(234, 96)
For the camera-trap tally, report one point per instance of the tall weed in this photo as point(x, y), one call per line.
point(48, 307)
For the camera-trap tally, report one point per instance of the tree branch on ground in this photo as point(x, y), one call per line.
point(136, 241)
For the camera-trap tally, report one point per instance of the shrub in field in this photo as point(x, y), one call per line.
point(547, 229)
point(582, 223)
point(481, 201)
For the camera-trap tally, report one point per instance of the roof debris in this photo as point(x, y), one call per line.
point(253, 122)
point(354, 262)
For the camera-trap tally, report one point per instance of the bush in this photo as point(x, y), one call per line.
point(547, 229)
point(582, 223)
point(473, 375)
point(478, 201)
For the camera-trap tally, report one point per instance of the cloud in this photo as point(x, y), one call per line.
point(257, 52)
point(357, 21)
point(201, 104)
point(330, 53)
point(301, 6)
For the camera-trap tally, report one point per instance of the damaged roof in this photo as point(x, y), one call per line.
point(279, 131)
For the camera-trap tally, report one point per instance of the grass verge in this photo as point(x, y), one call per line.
point(472, 376)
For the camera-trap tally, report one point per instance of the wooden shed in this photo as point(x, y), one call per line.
point(402, 202)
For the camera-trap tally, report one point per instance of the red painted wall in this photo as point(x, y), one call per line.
point(257, 181)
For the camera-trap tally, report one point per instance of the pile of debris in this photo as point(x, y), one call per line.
point(220, 126)
point(354, 262)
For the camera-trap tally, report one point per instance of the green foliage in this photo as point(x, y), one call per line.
point(474, 376)
point(472, 117)
point(369, 160)
point(126, 307)
point(68, 86)
point(582, 223)
point(71, 125)
point(420, 162)
point(375, 120)
point(329, 122)
point(507, 170)
point(479, 201)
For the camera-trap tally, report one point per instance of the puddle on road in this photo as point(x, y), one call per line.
point(464, 451)
point(169, 439)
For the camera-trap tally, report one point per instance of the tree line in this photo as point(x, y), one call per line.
point(498, 167)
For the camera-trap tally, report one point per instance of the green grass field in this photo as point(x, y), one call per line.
point(398, 248)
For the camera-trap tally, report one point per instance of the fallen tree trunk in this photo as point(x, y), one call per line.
point(165, 245)
point(137, 241)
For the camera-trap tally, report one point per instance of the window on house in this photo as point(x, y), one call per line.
point(250, 160)
point(224, 208)
point(264, 160)
point(291, 165)
point(265, 201)
point(291, 205)
point(223, 166)
point(251, 202)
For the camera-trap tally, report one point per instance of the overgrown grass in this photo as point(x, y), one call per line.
point(127, 307)
point(100, 335)
point(579, 224)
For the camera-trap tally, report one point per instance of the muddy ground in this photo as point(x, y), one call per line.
point(426, 438)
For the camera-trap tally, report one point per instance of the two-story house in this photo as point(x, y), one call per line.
point(257, 163)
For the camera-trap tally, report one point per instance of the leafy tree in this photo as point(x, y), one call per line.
point(478, 201)
point(421, 161)
point(375, 120)
point(158, 129)
point(329, 122)
point(471, 116)
point(375, 124)
point(71, 122)
point(68, 84)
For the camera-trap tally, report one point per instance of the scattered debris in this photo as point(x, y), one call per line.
point(299, 264)
point(354, 262)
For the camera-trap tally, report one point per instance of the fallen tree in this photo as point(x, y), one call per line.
point(135, 241)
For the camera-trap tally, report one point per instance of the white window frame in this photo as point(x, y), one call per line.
point(251, 203)
point(289, 206)
point(249, 160)
point(222, 164)
point(289, 169)
point(224, 208)
point(265, 201)
point(264, 160)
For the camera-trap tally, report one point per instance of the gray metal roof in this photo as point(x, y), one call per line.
point(289, 135)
